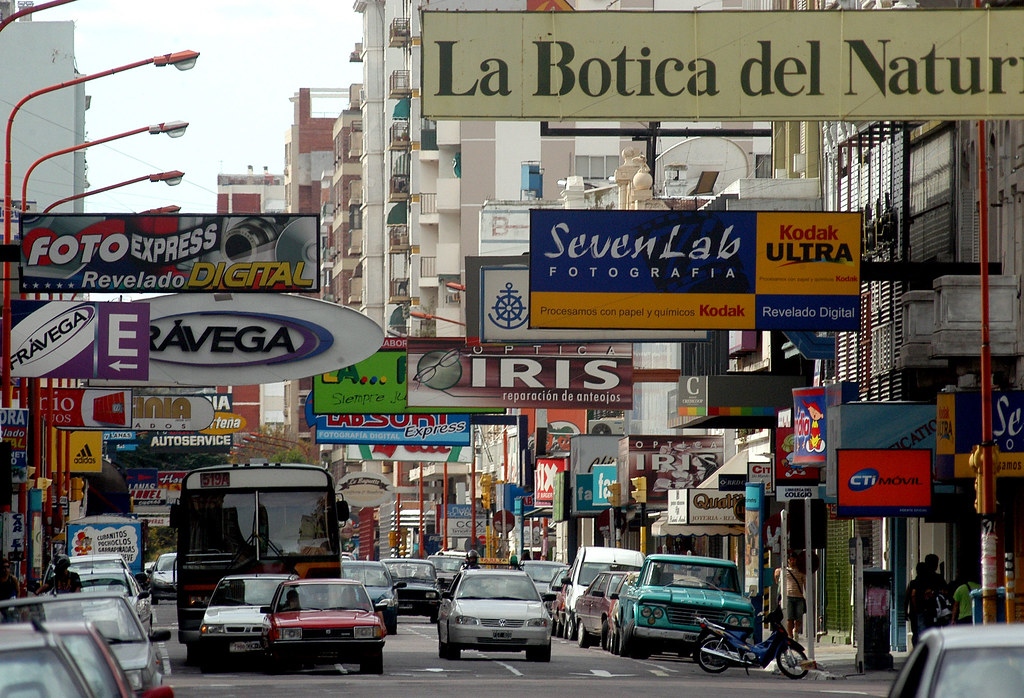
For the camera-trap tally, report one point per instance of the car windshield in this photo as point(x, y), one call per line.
point(35, 672)
point(506, 587)
point(961, 673)
point(540, 571)
point(324, 597)
point(421, 571)
point(165, 563)
point(114, 618)
point(684, 574)
point(104, 580)
point(590, 570)
point(448, 563)
point(370, 575)
point(244, 592)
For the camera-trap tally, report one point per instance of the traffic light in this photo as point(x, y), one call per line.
point(639, 489)
point(77, 489)
point(392, 539)
point(485, 490)
point(401, 543)
point(614, 494)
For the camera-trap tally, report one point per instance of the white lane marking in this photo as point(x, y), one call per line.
point(439, 670)
point(511, 668)
point(658, 673)
point(665, 668)
point(601, 673)
point(165, 658)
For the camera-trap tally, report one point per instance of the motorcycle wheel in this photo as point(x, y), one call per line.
point(790, 662)
point(711, 663)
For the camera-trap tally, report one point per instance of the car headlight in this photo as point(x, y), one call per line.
point(365, 632)
point(211, 629)
point(652, 611)
point(537, 623)
point(291, 633)
point(657, 612)
point(466, 620)
point(431, 594)
point(135, 678)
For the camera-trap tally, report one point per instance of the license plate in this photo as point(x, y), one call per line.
point(405, 606)
point(502, 634)
point(251, 646)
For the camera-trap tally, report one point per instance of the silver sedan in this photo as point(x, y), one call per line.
point(494, 611)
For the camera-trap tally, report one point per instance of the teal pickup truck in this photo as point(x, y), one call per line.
point(659, 612)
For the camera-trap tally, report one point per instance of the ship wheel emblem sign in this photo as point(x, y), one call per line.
point(509, 311)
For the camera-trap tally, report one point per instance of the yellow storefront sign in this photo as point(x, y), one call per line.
point(86, 449)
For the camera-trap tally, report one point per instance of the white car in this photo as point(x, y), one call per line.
point(163, 580)
point(233, 624)
point(494, 611)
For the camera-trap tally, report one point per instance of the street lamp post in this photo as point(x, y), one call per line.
point(29, 10)
point(172, 178)
point(183, 60)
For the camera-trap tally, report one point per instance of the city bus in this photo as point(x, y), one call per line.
point(251, 518)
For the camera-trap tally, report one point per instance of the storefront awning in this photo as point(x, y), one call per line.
point(662, 528)
point(399, 214)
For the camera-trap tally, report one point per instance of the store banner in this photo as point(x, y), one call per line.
point(86, 449)
point(404, 429)
point(811, 437)
point(544, 478)
point(959, 430)
point(113, 253)
point(724, 270)
point(410, 452)
point(884, 482)
point(14, 430)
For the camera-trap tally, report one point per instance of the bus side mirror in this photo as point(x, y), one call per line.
point(175, 518)
point(343, 512)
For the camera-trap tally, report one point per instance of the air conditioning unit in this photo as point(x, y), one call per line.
point(607, 426)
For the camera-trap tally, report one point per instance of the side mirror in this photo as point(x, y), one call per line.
point(142, 578)
point(144, 594)
point(548, 596)
point(565, 580)
point(343, 510)
point(264, 610)
point(613, 596)
point(399, 585)
point(381, 607)
point(598, 593)
point(160, 635)
point(446, 595)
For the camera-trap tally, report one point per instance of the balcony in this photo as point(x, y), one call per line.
point(428, 137)
point(400, 84)
point(355, 242)
point(355, 291)
point(399, 34)
point(399, 291)
point(399, 136)
point(399, 188)
point(356, 56)
point(398, 238)
point(428, 267)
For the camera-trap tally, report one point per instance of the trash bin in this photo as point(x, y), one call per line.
point(877, 623)
point(976, 606)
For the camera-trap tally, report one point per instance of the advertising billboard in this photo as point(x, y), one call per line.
point(409, 452)
point(406, 429)
point(669, 462)
point(113, 253)
point(88, 408)
point(544, 478)
point(14, 430)
point(729, 66)
point(79, 339)
point(884, 482)
point(86, 448)
point(959, 430)
point(185, 441)
point(450, 373)
point(724, 270)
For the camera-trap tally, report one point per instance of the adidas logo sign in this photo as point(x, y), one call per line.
point(84, 456)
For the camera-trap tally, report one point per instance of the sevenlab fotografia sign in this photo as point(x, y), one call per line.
point(416, 429)
point(410, 452)
point(450, 373)
point(244, 340)
point(73, 339)
point(730, 66)
point(735, 270)
point(168, 253)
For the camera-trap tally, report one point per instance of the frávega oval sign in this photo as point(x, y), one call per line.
point(365, 489)
point(255, 338)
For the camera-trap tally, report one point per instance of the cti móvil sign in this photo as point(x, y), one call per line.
point(884, 482)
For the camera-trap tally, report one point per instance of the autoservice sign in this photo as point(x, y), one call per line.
point(884, 482)
point(169, 253)
point(245, 340)
point(735, 270)
point(79, 339)
point(450, 373)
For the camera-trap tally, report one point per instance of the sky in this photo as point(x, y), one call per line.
point(254, 56)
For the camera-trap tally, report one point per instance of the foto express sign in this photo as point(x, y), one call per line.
point(884, 482)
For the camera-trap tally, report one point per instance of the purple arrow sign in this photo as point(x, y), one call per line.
point(72, 339)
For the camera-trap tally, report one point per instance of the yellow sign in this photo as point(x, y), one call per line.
point(86, 451)
point(731, 66)
point(225, 423)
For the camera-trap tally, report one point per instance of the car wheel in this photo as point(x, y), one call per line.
point(570, 628)
point(155, 601)
point(433, 617)
point(191, 654)
point(538, 654)
point(452, 652)
point(442, 649)
point(613, 643)
point(393, 628)
point(582, 636)
point(604, 635)
point(372, 665)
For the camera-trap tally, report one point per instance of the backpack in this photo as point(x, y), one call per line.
point(938, 607)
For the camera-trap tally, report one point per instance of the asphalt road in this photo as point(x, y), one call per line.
point(412, 668)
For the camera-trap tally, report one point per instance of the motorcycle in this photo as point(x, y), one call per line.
point(719, 647)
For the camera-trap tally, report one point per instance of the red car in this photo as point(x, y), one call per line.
point(323, 621)
point(593, 608)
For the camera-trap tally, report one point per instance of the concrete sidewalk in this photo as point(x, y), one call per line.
point(836, 662)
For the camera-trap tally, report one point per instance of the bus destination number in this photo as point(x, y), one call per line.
point(215, 479)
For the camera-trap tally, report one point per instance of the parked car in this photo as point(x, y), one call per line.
point(964, 661)
point(379, 585)
point(494, 611)
point(323, 621)
point(96, 661)
point(612, 643)
point(163, 580)
point(114, 618)
point(36, 663)
point(90, 563)
point(112, 578)
point(233, 624)
point(447, 563)
point(542, 572)
point(589, 562)
point(420, 595)
point(659, 613)
point(593, 607)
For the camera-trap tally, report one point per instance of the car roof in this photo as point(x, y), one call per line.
point(407, 560)
point(259, 575)
point(363, 563)
point(691, 559)
point(320, 580)
point(975, 636)
point(543, 563)
point(484, 572)
point(62, 598)
point(22, 636)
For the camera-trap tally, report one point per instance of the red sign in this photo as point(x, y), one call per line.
point(89, 408)
point(883, 482)
point(561, 427)
point(786, 472)
point(544, 479)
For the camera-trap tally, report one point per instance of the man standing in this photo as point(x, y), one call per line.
point(796, 604)
point(10, 587)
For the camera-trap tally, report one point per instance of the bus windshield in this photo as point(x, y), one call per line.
point(258, 525)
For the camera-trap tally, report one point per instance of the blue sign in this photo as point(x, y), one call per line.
point(583, 494)
point(732, 483)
